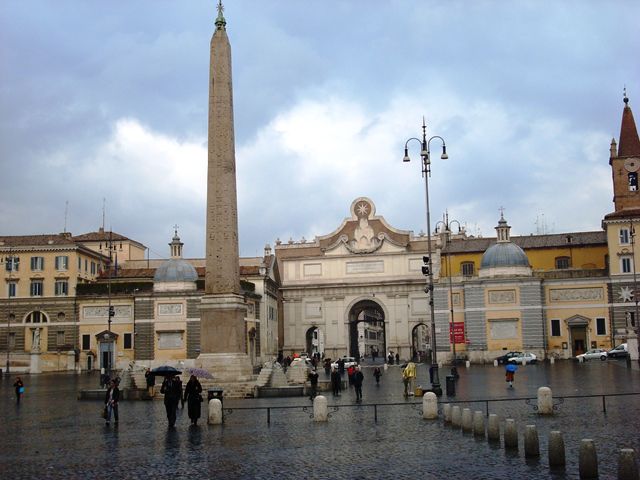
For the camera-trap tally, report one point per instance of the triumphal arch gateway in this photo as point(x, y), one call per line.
point(357, 291)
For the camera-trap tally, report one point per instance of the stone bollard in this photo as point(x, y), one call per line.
point(446, 412)
point(493, 430)
point(627, 466)
point(510, 434)
point(545, 401)
point(215, 412)
point(531, 442)
point(478, 423)
point(552, 360)
point(467, 420)
point(467, 364)
point(588, 459)
point(456, 416)
point(429, 406)
point(320, 410)
point(556, 449)
point(495, 363)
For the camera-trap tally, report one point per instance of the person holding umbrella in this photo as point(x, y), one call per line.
point(172, 390)
point(193, 397)
point(510, 373)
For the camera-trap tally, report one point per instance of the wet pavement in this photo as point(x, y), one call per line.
point(53, 435)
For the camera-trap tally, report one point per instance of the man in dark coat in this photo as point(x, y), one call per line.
point(358, 377)
point(313, 381)
point(172, 390)
point(335, 382)
point(111, 402)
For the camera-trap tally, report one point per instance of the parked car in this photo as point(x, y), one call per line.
point(505, 358)
point(620, 351)
point(600, 353)
point(523, 358)
point(348, 362)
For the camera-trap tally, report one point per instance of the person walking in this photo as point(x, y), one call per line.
point(193, 397)
point(313, 382)
point(408, 375)
point(336, 380)
point(111, 402)
point(377, 373)
point(172, 390)
point(358, 377)
point(19, 386)
point(151, 382)
point(510, 370)
point(350, 372)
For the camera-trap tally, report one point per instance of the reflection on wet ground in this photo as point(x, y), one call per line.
point(53, 435)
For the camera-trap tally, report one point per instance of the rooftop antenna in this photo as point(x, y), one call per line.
point(66, 212)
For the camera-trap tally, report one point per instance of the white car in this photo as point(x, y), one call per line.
point(620, 351)
point(348, 362)
point(524, 358)
point(600, 353)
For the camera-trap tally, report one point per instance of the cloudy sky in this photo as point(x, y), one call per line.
point(108, 100)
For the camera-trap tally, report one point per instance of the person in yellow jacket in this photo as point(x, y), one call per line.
point(408, 375)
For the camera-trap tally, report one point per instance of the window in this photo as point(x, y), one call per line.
point(601, 327)
point(624, 236)
point(79, 264)
point(36, 317)
point(36, 288)
point(128, 341)
point(563, 263)
point(93, 268)
point(625, 264)
point(86, 342)
point(555, 328)
point(62, 288)
point(12, 264)
point(60, 338)
point(37, 264)
point(631, 319)
point(633, 181)
point(467, 269)
point(62, 262)
point(12, 288)
point(86, 265)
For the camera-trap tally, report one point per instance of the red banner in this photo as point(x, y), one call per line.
point(456, 332)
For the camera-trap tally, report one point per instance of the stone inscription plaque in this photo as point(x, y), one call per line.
point(575, 294)
point(170, 309)
point(122, 311)
point(502, 296)
point(365, 267)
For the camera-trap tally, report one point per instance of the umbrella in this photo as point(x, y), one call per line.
point(165, 371)
point(199, 372)
point(511, 367)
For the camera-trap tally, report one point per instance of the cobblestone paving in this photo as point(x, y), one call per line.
point(53, 435)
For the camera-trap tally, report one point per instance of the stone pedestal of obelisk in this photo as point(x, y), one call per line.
point(222, 310)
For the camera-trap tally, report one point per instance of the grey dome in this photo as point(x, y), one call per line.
point(175, 270)
point(504, 254)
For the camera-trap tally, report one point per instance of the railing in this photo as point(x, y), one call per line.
point(418, 405)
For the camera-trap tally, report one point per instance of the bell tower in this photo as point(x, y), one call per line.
point(625, 163)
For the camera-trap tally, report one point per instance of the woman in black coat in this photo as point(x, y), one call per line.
point(193, 397)
point(111, 402)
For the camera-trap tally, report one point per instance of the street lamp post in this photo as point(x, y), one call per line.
point(445, 228)
point(110, 247)
point(426, 172)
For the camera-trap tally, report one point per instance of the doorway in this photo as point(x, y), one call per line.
point(421, 343)
point(367, 332)
point(577, 326)
point(314, 342)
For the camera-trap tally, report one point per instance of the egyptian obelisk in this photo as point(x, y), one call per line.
point(222, 309)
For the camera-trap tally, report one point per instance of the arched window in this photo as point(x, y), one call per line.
point(36, 317)
point(633, 181)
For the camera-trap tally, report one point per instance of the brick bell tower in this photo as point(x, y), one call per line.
point(625, 163)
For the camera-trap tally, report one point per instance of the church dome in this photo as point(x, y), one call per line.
point(175, 270)
point(504, 255)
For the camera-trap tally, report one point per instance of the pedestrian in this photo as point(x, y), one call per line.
point(19, 386)
point(390, 358)
point(111, 402)
point(336, 380)
point(510, 371)
point(313, 381)
point(341, 366)
point(327, 366)
point(193, 397)
point(350, 372)
point(151, 382)
point(172, 391)
point(377, 373)
point(408, 375)
point(358, 377)
point(398, 358)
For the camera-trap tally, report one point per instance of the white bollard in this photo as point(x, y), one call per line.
point(467, 364)
point(588, 459)
point(531, 442)
point(429, 406)
point(495, 363)
point(446, 412)
point(215, 412)
point(556, 449)
point(467, 420)
point(493, 430)
point(545, 401)
point(456, 416)
point(627, 466)
point(320, 410)
point(510, 434)
point(478, 424)
point(552, 360)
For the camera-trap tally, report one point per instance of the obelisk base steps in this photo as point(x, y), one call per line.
point(226, 367)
